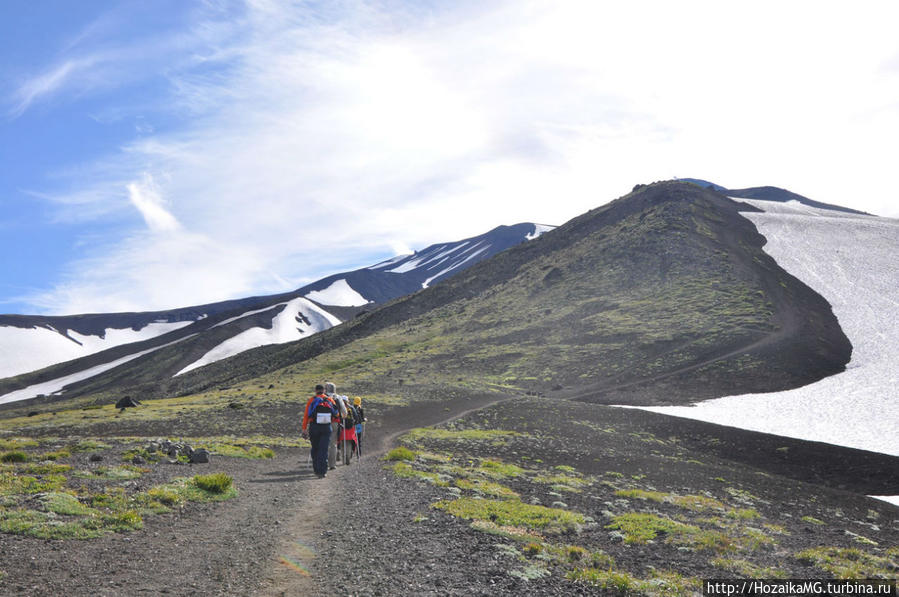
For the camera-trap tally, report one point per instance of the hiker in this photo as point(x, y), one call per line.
point(348, 441)
point(318, 415)
point(360, 419)
point(331, 392)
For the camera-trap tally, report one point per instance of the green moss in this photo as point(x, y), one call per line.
point(812, 520)
point(15, 443)
point(493, 436)
point(11, 483)
point(640, 527)
point(849, 562)
point(65, 503)
point(486, 488)
point(400, 453)
point(512, 513)
point(499, 470)
point(563, 482)
point(659, 584)
point(56, 455)
point(15, 456)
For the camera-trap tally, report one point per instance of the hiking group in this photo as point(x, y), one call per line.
point(332, 424)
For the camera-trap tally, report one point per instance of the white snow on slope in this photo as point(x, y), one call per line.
point(338, 294)
point(452, 267)
point(851, 260)
point(285, 328)
point(56, 385)
point(390, 261)
point(29, 349)
point(538, 230)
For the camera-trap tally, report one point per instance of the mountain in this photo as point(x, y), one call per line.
point(770, 194)
point(66, 349)
point(663, 296)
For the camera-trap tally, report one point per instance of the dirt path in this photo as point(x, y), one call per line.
point(296, 567)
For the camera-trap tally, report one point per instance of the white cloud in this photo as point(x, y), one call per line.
point(42, 85)
point(318, 136)
point(145, 197)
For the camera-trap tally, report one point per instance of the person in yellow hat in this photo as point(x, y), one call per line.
point(360, 423)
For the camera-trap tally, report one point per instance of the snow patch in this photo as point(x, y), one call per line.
point(30, 349)
point(390, 262)
point(850, 259)
point(247, 314)
point(458, 264)
point(338, 294)
point(56, 385)
point(287, 326)
point(539, 229)
point(892, 499)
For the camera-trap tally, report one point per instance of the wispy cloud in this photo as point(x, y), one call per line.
point(43, 85)
point(308, 138)
point(145, 197)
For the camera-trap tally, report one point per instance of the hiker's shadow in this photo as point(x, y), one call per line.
point(285, 476)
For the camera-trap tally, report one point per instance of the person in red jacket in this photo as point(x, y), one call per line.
point(320, 411)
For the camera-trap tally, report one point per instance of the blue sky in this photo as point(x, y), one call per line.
point(161, 154)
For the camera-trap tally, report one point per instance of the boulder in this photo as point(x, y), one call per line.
point(127, 402)
point(200, 456)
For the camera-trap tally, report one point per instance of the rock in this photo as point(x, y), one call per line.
point(127, 402)
point(200, 456)
point(95, 458)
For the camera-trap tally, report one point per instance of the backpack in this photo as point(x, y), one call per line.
point(350, 420)
point(321, 410)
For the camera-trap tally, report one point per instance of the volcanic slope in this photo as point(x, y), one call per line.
point(660, 297)
point(69, 349)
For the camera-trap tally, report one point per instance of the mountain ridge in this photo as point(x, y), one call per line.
point(627, 303)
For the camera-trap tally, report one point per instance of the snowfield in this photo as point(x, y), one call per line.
point(287, 326)
point(852, 261)
point(55, 386)
point(338, 294)
point(29, 349)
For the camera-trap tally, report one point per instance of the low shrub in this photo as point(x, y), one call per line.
point(214, 483)
point(15, 456)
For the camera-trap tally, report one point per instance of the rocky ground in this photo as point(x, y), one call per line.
point(733, 505)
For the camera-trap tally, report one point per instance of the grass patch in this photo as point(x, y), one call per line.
point(486, 488)
point(812, 520)
point(400, 453)
point(494, 436)
point(89, 446)
point(563, 482)
point(122, 472)
point(849, 562)
point(512, 513)
point(236, 451)
point(695, 503)
point(499, 470)
point(15, 443)
point(54, 456)
point(659, 584)
point(640, 527)
point(216, 483)
point(65, 503)
point(11, 484)
point(13, 457)
point(404, 470)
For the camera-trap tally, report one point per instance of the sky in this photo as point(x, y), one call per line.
point(159, 154)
